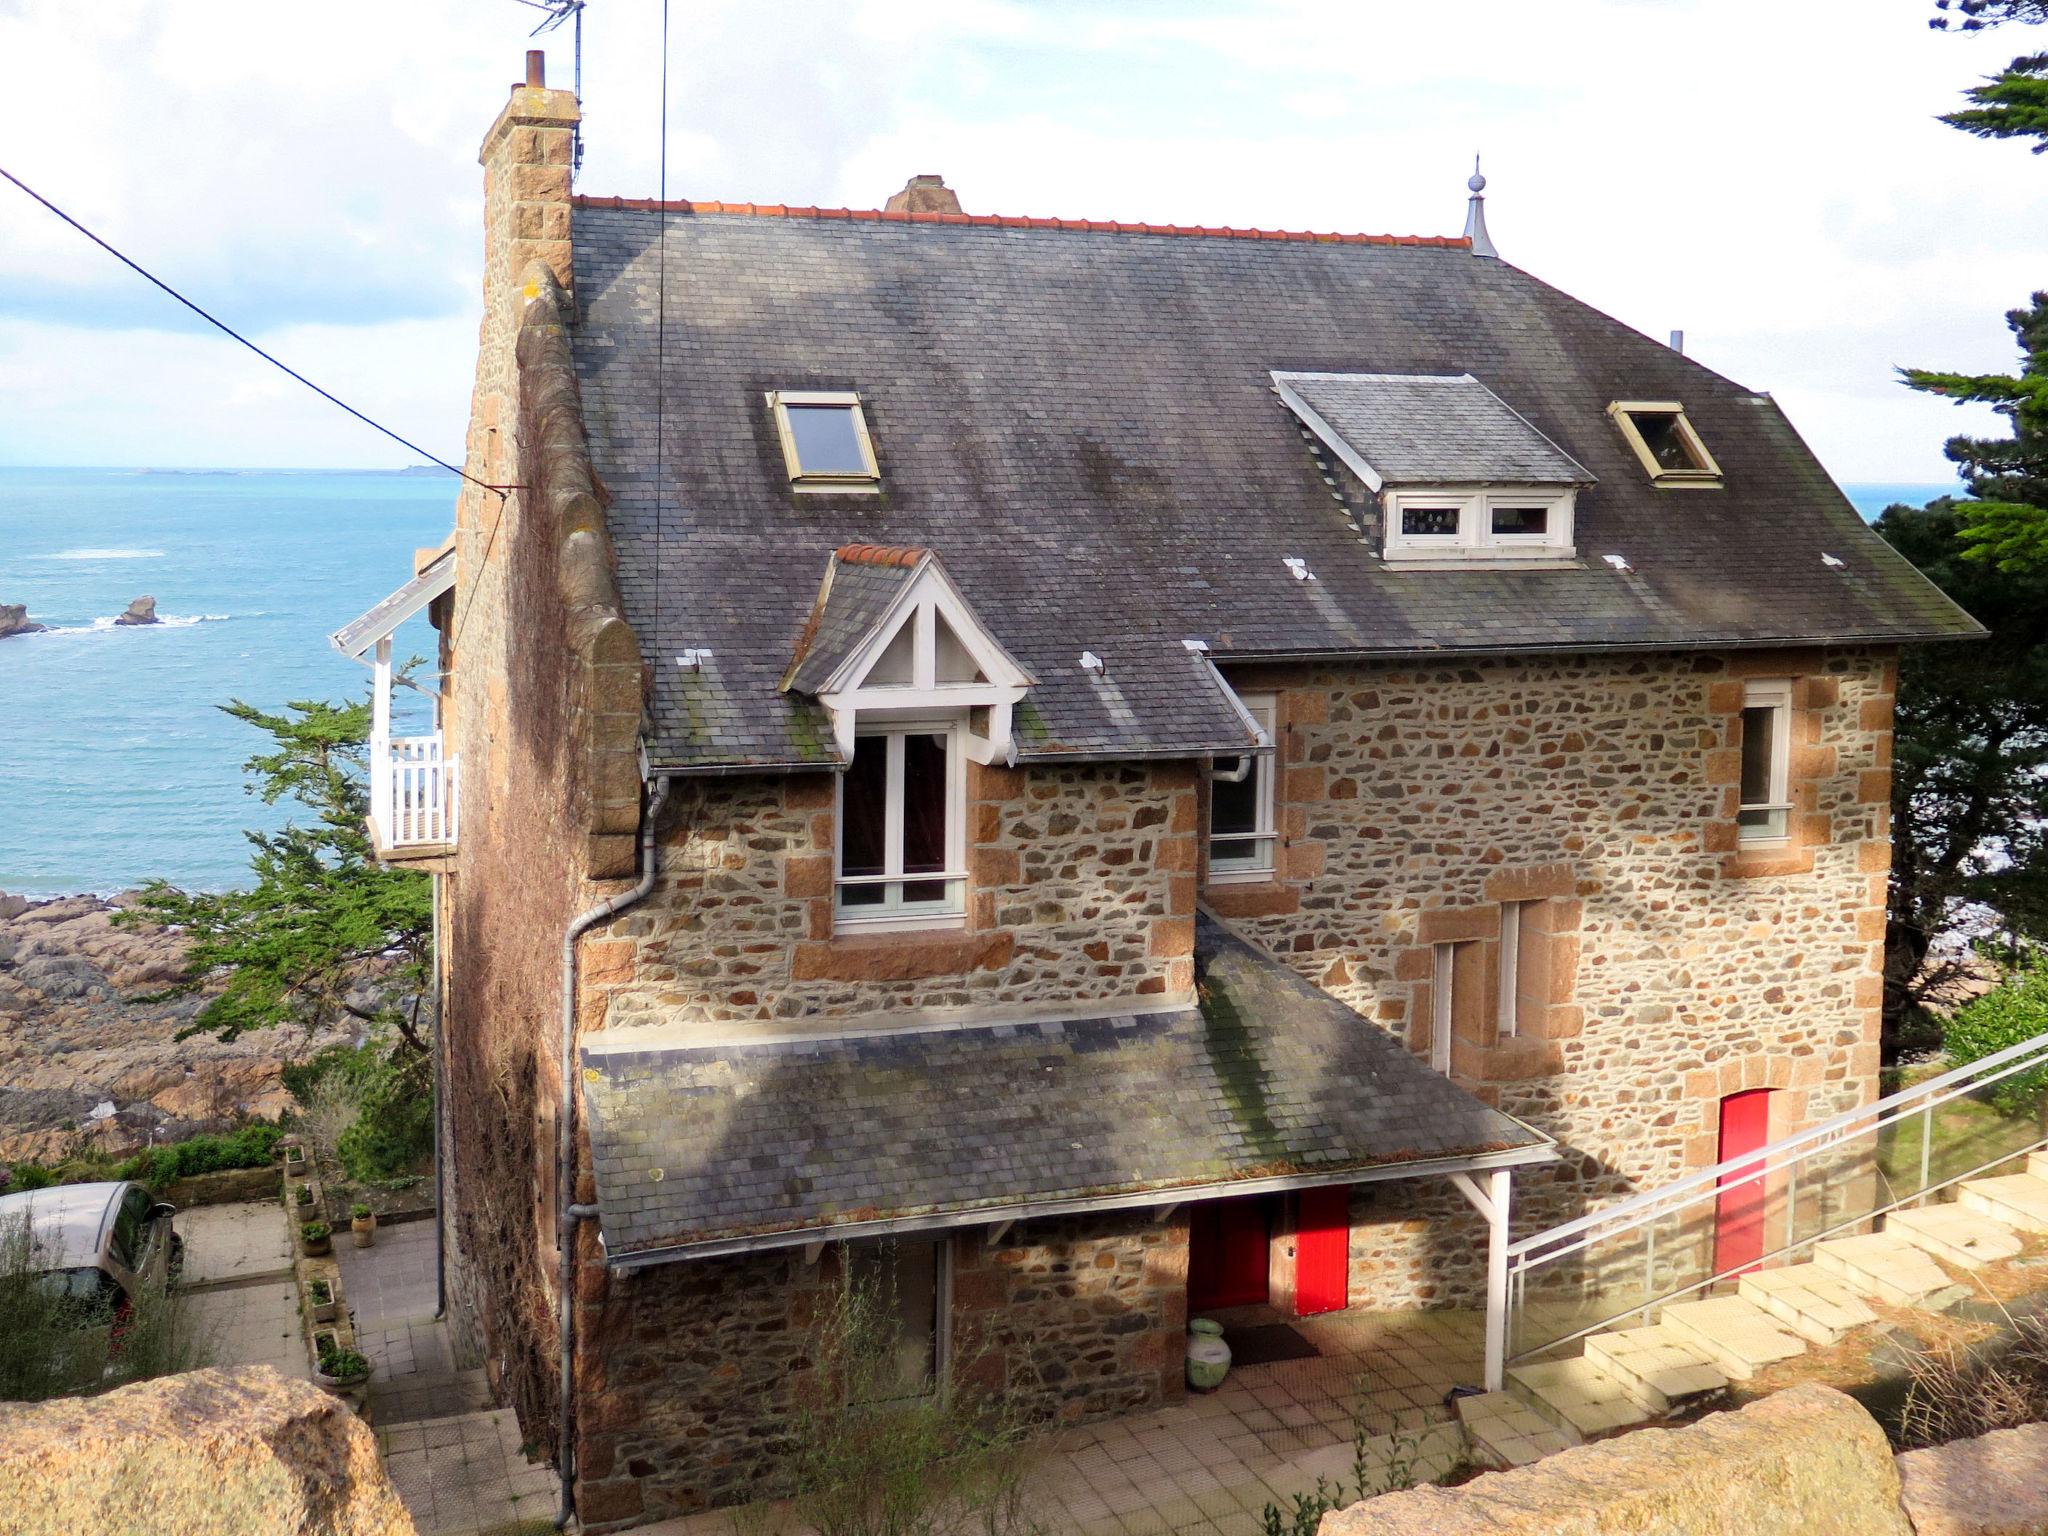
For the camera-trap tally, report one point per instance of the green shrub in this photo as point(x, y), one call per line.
point(315, 1231)
point(32, 1176)
point(2016, 1011)
point(394, 1131)
point(343, 1363)
point(249, 1147)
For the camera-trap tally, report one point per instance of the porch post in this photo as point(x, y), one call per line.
point(1500, 1192)
point(380, 741)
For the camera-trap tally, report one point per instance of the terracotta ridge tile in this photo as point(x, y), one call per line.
point(878, 554)
point(1015, 221)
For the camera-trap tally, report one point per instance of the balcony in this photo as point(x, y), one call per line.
point(415, 798)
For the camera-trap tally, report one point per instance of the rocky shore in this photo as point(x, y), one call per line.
point(87, 1064)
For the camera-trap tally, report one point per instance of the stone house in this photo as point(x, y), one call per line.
point(1102, 770)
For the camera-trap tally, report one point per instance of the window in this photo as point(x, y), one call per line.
point(902, 848)
point(1527, 524)
point(899, 1286)
point(1665, 442)
point(1765, 809)
point(825, 443)
point(1443, 973)
point(1241, 830)
point(1525, 932)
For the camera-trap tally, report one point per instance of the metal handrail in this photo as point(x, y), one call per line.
point(1956, 1083)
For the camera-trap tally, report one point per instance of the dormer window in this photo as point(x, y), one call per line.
point(1664, 441)
point(1462, 476)
point(825, 443)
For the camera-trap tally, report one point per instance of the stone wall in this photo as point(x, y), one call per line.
point(692, 1375)
point(1081, 892)
point(1413, 801)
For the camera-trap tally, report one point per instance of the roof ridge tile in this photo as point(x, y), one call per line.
point(1013, 221)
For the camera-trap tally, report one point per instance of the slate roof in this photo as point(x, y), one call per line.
point(1270, 1077)
point(861, 582)
point(1434, 429)
point(1083, 425)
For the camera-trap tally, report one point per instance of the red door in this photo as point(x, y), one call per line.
point(1739, 1211)
point(1227, 1243)
point(1322, 1250)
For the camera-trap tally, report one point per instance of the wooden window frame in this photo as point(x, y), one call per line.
point(895, 913)
point(1475, 541)
point(1705, 476)
point(868, 481)
point(1443, 967)
point(1264, 837)
point(1774, 694)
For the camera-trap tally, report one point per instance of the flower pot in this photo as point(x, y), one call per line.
point(340, 1383)
point(294, 1167)
point(364, 1230)
point(1208, 1355)
point(324, 1311)
point(314, 1247)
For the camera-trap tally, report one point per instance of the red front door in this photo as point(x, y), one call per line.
point(1739, 1210)
point(1227, 1242)
point(1322, 1250)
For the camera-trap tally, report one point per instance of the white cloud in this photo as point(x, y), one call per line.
point(1768, 177)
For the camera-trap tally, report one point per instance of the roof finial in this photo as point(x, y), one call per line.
point(1475, 214)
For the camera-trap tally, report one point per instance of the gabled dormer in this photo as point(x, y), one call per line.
point(1462, 477)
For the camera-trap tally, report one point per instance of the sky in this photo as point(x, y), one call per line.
point(1766, 175)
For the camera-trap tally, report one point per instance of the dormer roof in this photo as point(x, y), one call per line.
point(1425, 429)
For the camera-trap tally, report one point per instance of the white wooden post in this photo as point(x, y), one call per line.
point(1501, 1197)
point(380, 742)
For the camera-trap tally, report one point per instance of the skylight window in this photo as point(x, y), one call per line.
point(825, 443)
point(1665, 442)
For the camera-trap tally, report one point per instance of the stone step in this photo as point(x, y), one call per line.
point(1966, 1238)
point(1502, 1431)
point(1576, 1395)
point(1657, 1368)
point(1737, 1335)
point(2017, 1199)
point(1815, 1303)
point(2037, 1163)
point(1888, 1268)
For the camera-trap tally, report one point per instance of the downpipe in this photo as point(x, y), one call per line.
point(565, 1148)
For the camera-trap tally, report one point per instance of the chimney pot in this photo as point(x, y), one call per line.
point(536, 68)
point(924, 194)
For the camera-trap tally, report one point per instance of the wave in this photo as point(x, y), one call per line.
point(164, 621)
point(104, 554)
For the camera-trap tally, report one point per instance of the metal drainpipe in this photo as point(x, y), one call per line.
point(565, 1147)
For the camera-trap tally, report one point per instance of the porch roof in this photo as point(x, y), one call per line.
point(359, 634)
point(1269, 1083)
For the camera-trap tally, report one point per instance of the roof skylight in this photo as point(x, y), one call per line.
point(825, 443)
point(1665, 442)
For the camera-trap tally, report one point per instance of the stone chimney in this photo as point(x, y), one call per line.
point(924, 194)
point(526, 158)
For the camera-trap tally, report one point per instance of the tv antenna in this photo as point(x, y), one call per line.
point(559, 11)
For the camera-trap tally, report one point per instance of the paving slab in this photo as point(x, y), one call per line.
point(233, 1244)
point(1503, 1431)
point(2017, 1199)
point(1656, 1366)
point(1738, 1335)
point(1814, 1302)
point(1889, 1268)
point(1576, 1394)
point(256, 1324)
point(1966, 1238)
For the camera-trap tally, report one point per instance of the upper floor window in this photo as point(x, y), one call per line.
point(825, 443)
point(1533, 523)
point(1766, 763)
point(1670, 450)
point(902, 816)
point(1241, 825)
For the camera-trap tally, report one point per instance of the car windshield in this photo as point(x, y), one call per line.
point(90, 1293)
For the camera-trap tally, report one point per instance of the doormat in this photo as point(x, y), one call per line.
point(1267, 1342)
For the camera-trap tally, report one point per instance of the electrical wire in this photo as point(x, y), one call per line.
point(228, 330)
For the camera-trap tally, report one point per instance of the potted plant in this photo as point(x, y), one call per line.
point(362, 1222)
point(305, 1194)
point(342, 1368)
point(322, 1296)
point(313, 1238)
point(294, 1161)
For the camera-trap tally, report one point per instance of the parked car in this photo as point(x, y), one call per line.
point(104, 1245)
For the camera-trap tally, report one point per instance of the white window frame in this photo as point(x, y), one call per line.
point(1443, 966)
point(1256, 865)
point(868, 481)
point(1774, 694)
point(1475, 539)
point(893, 911)
point(1509, 958)
point(1707, 476)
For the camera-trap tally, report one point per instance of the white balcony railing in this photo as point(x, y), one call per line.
point(415, 792)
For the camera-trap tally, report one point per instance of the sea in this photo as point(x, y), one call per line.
point(116, 762)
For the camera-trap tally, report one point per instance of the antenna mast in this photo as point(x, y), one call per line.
point(559, 11)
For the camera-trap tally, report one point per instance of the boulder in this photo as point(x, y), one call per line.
point(141, 611)
point(209, 1453)
point(1808, 1461)
point(1994, 1485)
point(14, 620)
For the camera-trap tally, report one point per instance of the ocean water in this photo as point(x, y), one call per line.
point(114, 763)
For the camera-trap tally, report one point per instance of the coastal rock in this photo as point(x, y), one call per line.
point(14, 620)
point(208, 1453)
point(75, 1034)
point(1994, 1485)
point(141, 611)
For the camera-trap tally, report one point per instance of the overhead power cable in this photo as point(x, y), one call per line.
point(228, 330)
